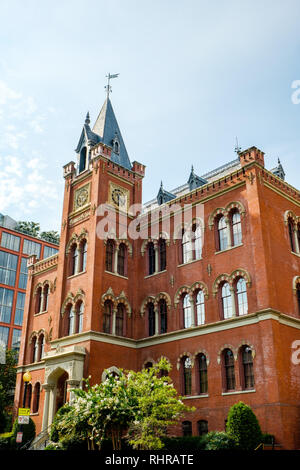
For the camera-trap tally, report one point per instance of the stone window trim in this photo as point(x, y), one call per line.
point(41, 292)
point(155, 241)
point(235, 350)
point(226, 211)
point(231, 279)
point(77, 239)
point(73, 300)
point(116, 300)
point(155, 300)
point(112, 369)
point(157, 255)
point(183, 355)
point(292, 222)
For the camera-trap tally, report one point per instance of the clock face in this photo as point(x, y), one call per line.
point(82, 197)
point(118, 197)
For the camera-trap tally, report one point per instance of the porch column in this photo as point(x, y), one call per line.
point(47, 388)
point(71, 385)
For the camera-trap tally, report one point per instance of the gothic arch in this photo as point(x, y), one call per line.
point(235, 205)
point(296, 281)
point(68, 300)
point(227, 346)
point(180, 291)
point(164, 296)
point(185, 354)
point(122, 299)
point(241, 273)
point(244, 342)
point(108, 295)
point(202, 351)
point(145, 243)
point(200, 286)
point(290, 215)
point(220, 279)
point(127, 243)
point(214, 214)
point(109, 369)
point(146, 301)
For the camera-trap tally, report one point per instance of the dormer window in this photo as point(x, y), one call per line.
point(116, 145)
point(82, 160)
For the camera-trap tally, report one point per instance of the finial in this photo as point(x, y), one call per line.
point(108, 86)
point(87, 119)
point(161, 185)
point(237, 147)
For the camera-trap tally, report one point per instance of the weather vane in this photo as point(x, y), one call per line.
point(237, 147)
point(108, 86)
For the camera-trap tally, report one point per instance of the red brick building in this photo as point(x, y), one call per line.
point(214, 288)
point(15, 247)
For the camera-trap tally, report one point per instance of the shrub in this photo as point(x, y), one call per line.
point(243, 426)
point(5, 441)
point(28, 433)
point(186, 443)
point(218, 440)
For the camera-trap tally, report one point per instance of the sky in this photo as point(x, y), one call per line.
point(194, 75)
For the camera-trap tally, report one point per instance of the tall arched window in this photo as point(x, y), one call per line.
point(187, 311)
point(229, 374)
point(162, 254)
point(109, 262)
point(298, 296)
point(46, 297)
point(28, 396)
point(202, 427)
point(121, 259)
point(222, 233)
point(107, 316)
point(202, 373)
point(151, 258)
point(298, 235)
point(247, 367)
point(41, 344)
point(197, 231)
point(74, 259)
point(187, 247)
point(236, 228)
point(83, 255)
point(291, 234)
point(71, 320)
point(80, 312)
point(36, 398)
point(163, 316)
point(200, 308)
point(120, 320)
point(151, 319)
point(241, 292)
point(34, 351)
point(187, 375)
point(226, 301)
point(38, 305)
point(82, 161)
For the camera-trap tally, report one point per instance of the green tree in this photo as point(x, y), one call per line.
point(7, 384)
point(51, 236)
point(139, 404)
point(243, 426)
point(30, 228)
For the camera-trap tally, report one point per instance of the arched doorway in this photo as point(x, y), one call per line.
point(61, 390)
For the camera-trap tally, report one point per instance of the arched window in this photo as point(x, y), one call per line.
point(298, 296)
point(121, 259)
point(226, 301)
point(74, 259)
point(247, 368)
point(187, 375)
point(229, 374)
point(291, 234)
point(151, 258)
point(202, 373)
point(236, 228)
point(82, 161)
point(187, 247)
point(222, 233)
point(80, 312)
point(71, 325)
point(34, 353)
point(83, 255)
point(41, 344)
point(38, 304)
point(120, 320)
point(187, 428)
point(241, 292)
point(200, 308)
point(187, 311)
point(298, 235)
point(163, 316)
point(46, 297)
point(202, 427)
point(28, 396)
point(151, 319)
point(197, 231)
point(109, 264)
point(148, 365)
point(162, 254)
point(36, 397)
point(107, 316)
